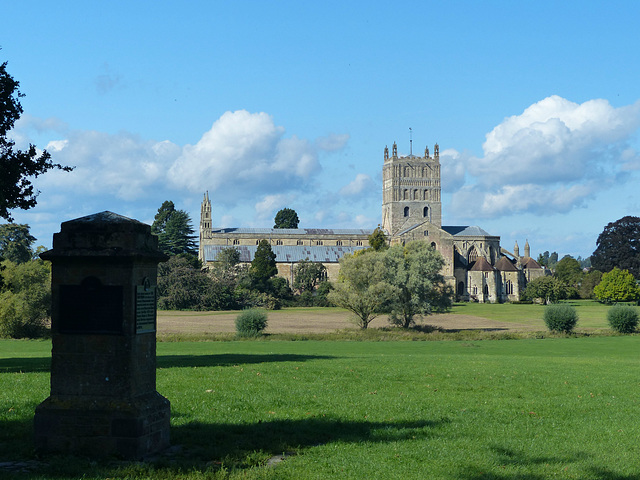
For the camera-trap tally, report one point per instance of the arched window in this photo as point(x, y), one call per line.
point(509, 287)
point(461, 288)
point(433, 245)
point(485, 289)
point(473, 255)
point(358, 243)
point(405, 194)
point(415, 194)
point(278, 242)
point(299, 242)
point(236, 242)
point(425, 212)
point(406, 211)
point(339, 243)
point(318, 242)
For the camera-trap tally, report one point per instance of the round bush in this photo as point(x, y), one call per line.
point(623, 318)
point(251, 322)
point(560, 318)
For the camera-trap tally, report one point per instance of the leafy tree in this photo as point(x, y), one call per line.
point(617, 286)
point(307, 275)
point(15, 242)
point(174, 230)
point(183, 287)
point(619, 246)
point(588, 283)
point(18, 167)
point(414, 271)
point(286, 218)
point(25, 299)
point(361, 287)
point(568, 271)
point(549, 289)
point(263, 265)
point(378, 240)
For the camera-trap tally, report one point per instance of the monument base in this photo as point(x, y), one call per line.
point(103, 427)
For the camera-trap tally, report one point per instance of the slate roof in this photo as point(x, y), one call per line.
point(466, 231)
point(530, 263)
point(294, 231)
point(285, 253)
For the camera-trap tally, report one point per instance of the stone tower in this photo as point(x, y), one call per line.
point(205, 221)
point(410, 190)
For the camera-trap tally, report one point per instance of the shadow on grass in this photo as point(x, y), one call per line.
point(25, 365)
point(229, 359)
point(507, 457)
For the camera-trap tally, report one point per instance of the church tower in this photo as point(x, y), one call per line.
point(205, 221)
point(410, 190)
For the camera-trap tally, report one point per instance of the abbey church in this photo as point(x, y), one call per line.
point(476, 265)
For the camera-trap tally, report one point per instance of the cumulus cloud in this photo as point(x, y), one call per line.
point(362, 183)
point(554, 156)
point(333, 142)
point(245, 152)
point(269, 204)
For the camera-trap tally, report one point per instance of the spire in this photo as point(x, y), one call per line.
point(527, 249)
point(516, 250)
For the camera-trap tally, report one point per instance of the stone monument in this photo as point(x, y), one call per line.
point(103, 397)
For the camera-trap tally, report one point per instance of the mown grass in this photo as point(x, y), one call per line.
point(515, 409)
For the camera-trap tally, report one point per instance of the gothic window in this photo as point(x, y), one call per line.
point(358, 243)
point(299, 242)
point(509, 287)
point(405, 194)
point(415, 194)
point(485, 290)
point(339, 243)
point(433, 245)
point(461, 288)
point(473, 255)
point(475, 290)
point(278, 242)
point(406, 211)
point(425, 212)
point(318, 242)
point(258, 242)
point(236, 242)
point(425, 195)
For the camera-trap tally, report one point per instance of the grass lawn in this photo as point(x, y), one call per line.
point(593, 315)
point(508, 409)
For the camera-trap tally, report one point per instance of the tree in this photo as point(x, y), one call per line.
point(549, 289)
point(619, 246)
point(361, 287)
point(183, 287)
point(414, 271)
point(307, 275)
point(286, 218)
point(25, 298)
point(18, 167)
point(617, 286)
point(15, 242)
point(174, 230)
point(568, 271)
point(263, 265)
point(378, 240)
point(588, 283)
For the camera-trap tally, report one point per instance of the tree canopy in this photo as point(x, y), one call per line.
point(18, 167)
point(174, 230)
point(286, 218)
point(549, 289)
point(307, 275)
point(617, 286)
point(568, 271)
point(619, 246)
point(263, 265)
point(378, 240)
point(414, 271)
point(15, 243)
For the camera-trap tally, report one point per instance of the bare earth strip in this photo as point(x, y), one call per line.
point(295, 321)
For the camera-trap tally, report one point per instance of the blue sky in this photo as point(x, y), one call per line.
point(535, 106)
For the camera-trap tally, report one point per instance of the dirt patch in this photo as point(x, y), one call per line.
point(296, 321)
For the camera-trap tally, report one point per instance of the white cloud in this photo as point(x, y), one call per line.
point(333, 142)
point(553, 157)
point(269, 204)
point(363, 183)
point(244, 152)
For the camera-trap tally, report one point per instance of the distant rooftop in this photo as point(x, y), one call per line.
point(285, 253)
point(295, 231)
point(466, 231)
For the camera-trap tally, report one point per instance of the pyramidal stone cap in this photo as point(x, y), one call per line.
point(104, 234)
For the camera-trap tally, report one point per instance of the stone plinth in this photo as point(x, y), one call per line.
point(103, 368)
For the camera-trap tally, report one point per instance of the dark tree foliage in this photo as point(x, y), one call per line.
point(307, 275)
point(568, 271)
point(378, 240)
point(619, 246)
point(18, 167)
point(263, 266)
point(286, 218)
point(15, 243)
point(174, 230)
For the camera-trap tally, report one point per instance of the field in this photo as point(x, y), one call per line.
point(527, 409)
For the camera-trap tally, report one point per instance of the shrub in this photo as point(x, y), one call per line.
point(251, 323)
point(623, 318)
point(560, 318)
